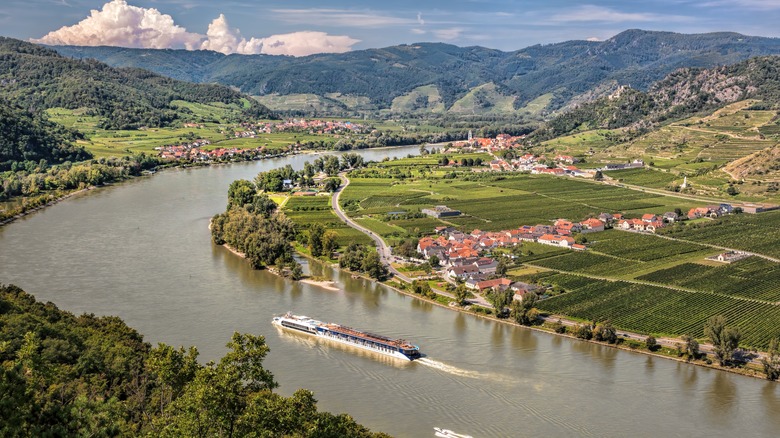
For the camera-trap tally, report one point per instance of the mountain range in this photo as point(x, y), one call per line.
point(437, 77)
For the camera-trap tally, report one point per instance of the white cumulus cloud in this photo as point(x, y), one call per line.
point(306, 43)
point(120, 24)
point(123, 25)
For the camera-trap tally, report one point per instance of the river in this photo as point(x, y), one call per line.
point(141, 250)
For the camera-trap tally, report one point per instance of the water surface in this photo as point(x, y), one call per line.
point(141, 250)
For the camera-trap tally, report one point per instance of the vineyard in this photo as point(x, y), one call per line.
point(759, 233)
point(493, 202)
point(308, 210)
point(645, 177)
point(660, 311)
point(585, 262)
point(639, 247)
point(751, 278)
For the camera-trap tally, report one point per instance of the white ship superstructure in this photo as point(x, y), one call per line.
point(397, 348)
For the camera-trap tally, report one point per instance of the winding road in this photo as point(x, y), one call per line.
point(385, 252)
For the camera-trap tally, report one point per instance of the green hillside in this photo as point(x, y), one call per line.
point(565, 70)
point(32, 137)
point(681, 94)
point(38, 78)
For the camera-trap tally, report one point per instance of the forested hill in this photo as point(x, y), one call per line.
point(680, 94)
point(31, 137)
point(66, 375)
point(566, 70)
point(38, 78)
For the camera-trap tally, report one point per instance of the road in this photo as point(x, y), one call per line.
point(385, 252)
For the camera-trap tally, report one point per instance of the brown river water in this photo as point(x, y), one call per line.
point(141, 250)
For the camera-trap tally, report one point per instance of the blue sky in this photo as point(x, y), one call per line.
point(300, 27)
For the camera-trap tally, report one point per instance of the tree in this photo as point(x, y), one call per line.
point(499, 300)
point(598, 176)
point(651, 343)
point(434, 261)
point(372, 265)
point(331, 184)
point(724, 339)
point(523, 311)
point(240, 193)
point(171, 370)
point(296, 272)
point(461, 293)
point(262, 204)
point(691, 348)
point(502, 267)
point(605, 332)
point(558, 327)
point(771, 362)
point(583, 331)
point(316, 232)
point(329, 242)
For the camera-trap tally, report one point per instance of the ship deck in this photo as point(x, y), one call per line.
point(399, 343)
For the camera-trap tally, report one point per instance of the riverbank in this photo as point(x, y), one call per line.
point(49, 203)
point(48, 199)
point(634, 346)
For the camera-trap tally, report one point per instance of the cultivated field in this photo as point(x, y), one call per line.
point(308, 210)
point(661, 311)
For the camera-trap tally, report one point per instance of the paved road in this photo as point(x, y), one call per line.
point(385, 252)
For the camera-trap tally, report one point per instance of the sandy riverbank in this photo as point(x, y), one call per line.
point(329, 285)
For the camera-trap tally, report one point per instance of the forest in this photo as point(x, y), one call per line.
point(38, 78)
point(30, 137)
point(87, 375)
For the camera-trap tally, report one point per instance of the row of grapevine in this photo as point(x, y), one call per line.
point(656, 310)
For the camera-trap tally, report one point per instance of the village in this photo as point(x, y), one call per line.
point(195, 150)
point(559, 165)
point(467, 257)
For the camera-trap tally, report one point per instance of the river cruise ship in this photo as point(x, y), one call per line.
point(397, 348)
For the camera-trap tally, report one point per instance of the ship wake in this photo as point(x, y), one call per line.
point(449, 369)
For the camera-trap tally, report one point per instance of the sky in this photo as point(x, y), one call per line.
point(299, 28)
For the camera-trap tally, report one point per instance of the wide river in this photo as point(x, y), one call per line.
point(141, 250)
